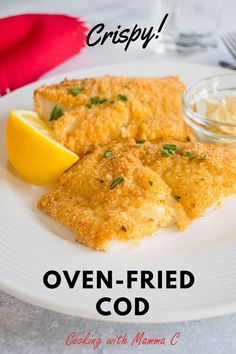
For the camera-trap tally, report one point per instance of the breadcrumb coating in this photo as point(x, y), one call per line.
point(85, 201)
point(124, 107)
point(150, 189)
point(199, 175)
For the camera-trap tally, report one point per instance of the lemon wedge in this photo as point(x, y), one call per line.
point(32, 150)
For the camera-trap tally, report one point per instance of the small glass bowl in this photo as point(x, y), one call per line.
point(206, 129)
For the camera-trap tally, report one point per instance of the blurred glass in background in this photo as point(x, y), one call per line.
point(191, 27)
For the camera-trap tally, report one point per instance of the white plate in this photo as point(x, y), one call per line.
point(32, 243)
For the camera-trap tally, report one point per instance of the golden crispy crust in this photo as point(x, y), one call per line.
point(108, 87)
point(84, 201)
point(153, 110)
point(146, 199)
point(200, 182)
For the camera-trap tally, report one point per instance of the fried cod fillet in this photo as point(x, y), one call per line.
point(96, 111)
point(126, 191)
point(104, 199)
point(199, 175)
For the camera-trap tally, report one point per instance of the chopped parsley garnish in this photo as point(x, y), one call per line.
point(117, 181)
point(126, 86)
point(107, 154)
point(177, 197)
point(190, 155)
point(167, 153)
point(168, 150)
point(121, 97)
point(140, 142)
point(76, 90)
point(95, 100)
point(151, 183)
point(56, 113)
point(170, 147)
point(203, 158)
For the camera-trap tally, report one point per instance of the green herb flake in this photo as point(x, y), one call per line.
point(167, 153)
point(56, 113)
point(140, 142)
point(203, 158)
point(190, 155)
point(126, 86)
point(177, 197)
point(107, 154)
point(121, 97)
point(95, 100)
point(102, 101)
point(170, 147)
point(151, 183)
point(117, 181)
point(76, 90)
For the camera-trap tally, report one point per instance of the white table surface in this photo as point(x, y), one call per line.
point(27, 329)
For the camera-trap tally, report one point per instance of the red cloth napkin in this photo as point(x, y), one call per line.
point(32, 44)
